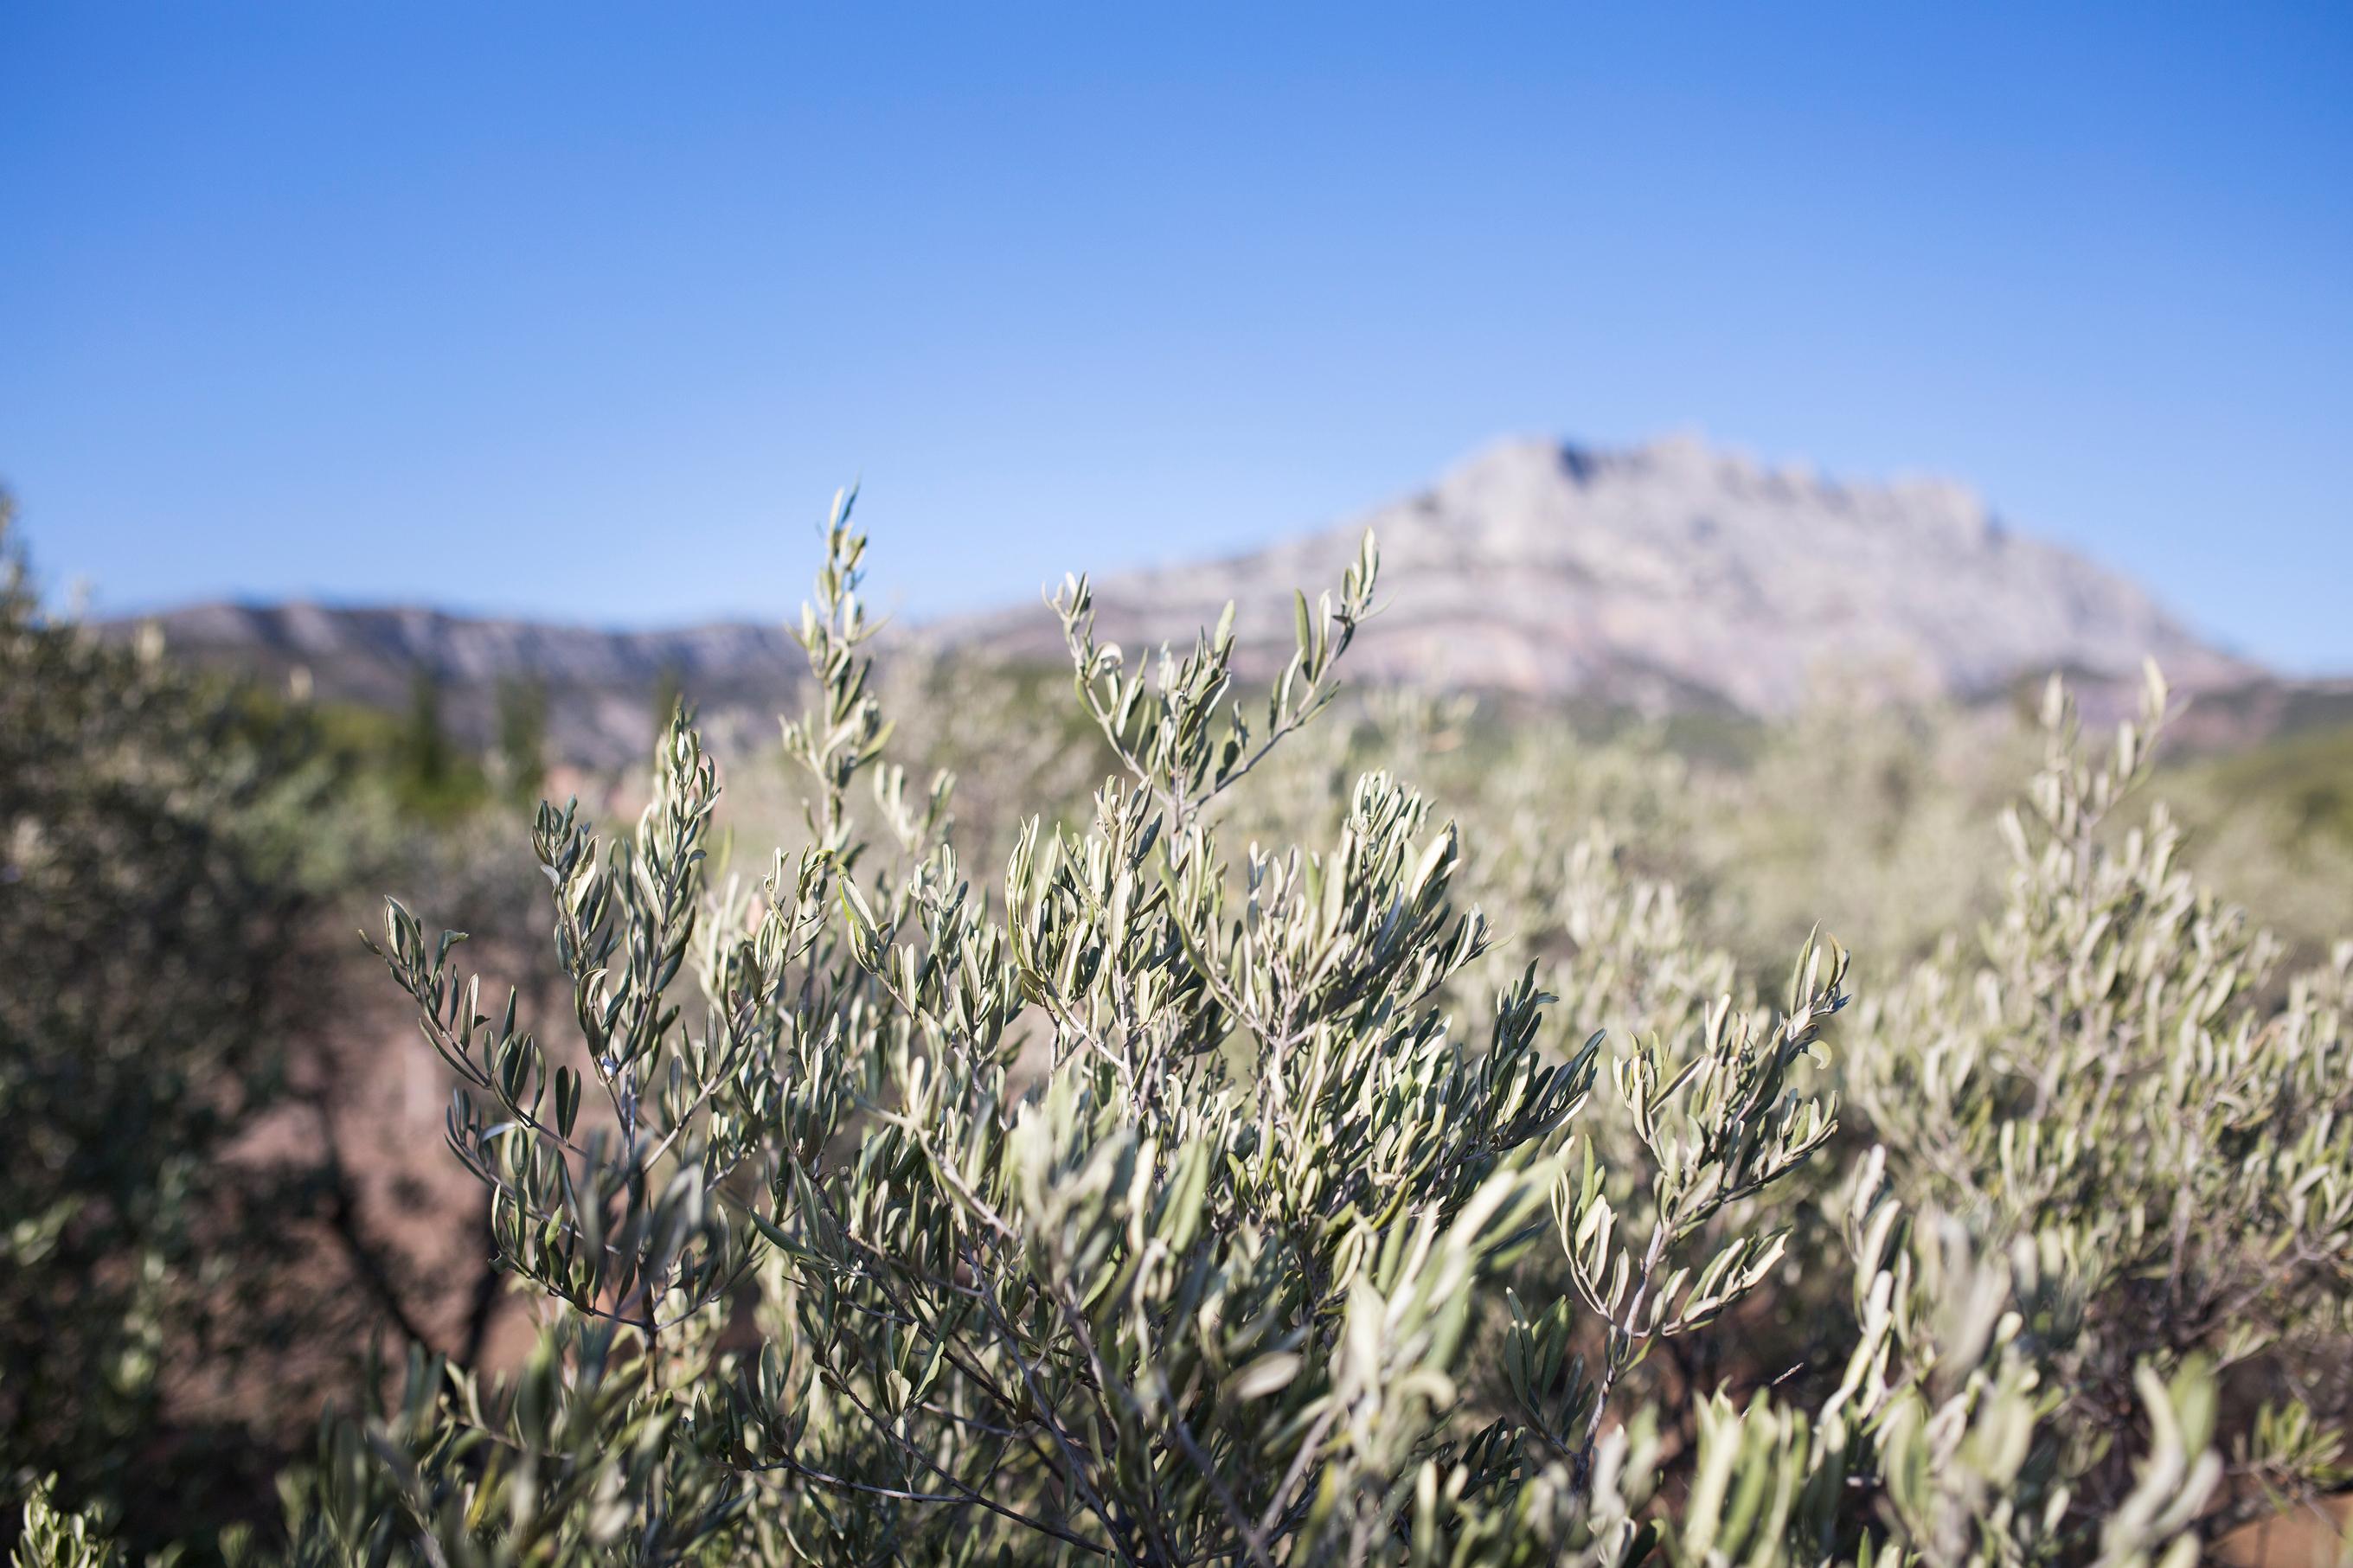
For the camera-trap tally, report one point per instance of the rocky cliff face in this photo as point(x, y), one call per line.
point(1668, 575)
point(1671, 574)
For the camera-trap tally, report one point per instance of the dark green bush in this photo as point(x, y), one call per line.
point(152, 926)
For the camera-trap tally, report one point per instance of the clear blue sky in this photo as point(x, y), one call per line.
point(582, 310)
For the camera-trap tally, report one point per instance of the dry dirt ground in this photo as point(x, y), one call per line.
point(2308, 1538)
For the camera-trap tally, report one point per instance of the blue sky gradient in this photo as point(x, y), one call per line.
point(582, 312)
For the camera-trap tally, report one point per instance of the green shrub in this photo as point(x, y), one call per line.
point(184, 1265)
point(2113, 1079)
point(154, 926)
point(1187, 1197)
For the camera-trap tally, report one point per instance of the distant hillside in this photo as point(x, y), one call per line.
point(600, 685)
point(1670, 576)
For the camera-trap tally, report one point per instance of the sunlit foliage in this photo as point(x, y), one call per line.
point(1170, 1194)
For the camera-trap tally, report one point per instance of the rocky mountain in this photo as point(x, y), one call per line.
point(1664, 576)
point(1672, 575)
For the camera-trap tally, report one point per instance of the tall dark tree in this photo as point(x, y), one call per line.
point(521, 754)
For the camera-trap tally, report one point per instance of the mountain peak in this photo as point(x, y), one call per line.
point(1676, 572)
